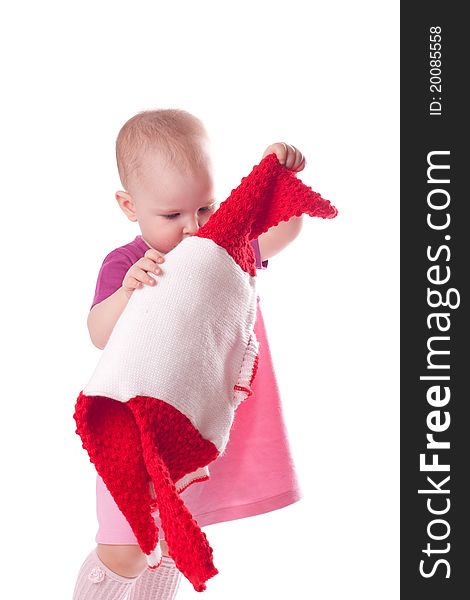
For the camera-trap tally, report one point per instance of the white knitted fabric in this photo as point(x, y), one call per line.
point(188, 340)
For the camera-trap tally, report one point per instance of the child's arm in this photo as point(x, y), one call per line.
point(277, 238)
point(104, 315)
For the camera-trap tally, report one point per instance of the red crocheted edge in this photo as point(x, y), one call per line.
point(254, 369)
point(240, 388)
point(205, 478)
point(155, 566)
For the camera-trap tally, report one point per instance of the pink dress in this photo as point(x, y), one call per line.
point(255, 474)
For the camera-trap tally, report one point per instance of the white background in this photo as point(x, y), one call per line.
point(320, 75)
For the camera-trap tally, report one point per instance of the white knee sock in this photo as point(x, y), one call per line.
point(96, 582)
point(157, 584)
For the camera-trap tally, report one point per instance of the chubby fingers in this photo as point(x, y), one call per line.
point(295, 160)
point(148, 265)
point(154, 255)
point(287, 155)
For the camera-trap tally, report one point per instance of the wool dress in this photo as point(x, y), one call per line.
point(255, 474)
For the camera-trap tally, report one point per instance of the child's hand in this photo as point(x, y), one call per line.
point(287, 155)
point(137, 275)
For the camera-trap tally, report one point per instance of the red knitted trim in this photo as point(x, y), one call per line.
point(255, 369)
point(142, 439)
point(240, 388)
point(270, 194)
point(191, 483)
point(153, 567)
point(154, 505)
point(247, 390)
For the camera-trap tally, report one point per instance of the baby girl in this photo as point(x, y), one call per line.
point(165, 169)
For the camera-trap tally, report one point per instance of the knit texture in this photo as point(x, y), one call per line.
point(161, 584)
point(96, 582)
point(154, 442)
point(179, 361)
point(269, 195)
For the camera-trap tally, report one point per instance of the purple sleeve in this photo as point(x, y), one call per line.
point(117, 263)
point(259, 264)
point(111, 274)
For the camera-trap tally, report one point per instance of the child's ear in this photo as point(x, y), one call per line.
point(124, 199)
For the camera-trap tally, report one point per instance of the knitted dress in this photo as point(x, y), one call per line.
point(255, 475)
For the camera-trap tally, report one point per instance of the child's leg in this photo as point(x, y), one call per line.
point(117, 544)
point(157, 584)
point(118, 550)
point(96, 581)
point(126, 560)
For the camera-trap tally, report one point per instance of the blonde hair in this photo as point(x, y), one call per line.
point(178, 136)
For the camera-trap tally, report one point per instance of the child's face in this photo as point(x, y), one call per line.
point(169, 205)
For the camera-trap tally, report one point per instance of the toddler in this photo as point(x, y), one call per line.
point(164, 166)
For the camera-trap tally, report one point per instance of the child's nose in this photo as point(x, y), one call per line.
point(192, 226)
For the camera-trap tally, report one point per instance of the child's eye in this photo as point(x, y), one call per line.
point(173, 216)
point(208, 208)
